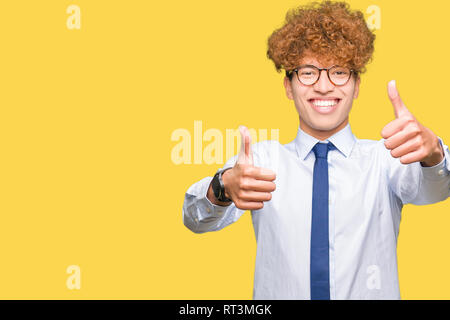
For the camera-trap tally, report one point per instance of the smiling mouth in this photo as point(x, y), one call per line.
point(324, 106)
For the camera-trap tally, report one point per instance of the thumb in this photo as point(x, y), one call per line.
point(246, 154)
point(399, 107)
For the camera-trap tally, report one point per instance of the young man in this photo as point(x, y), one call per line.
point(325, 207)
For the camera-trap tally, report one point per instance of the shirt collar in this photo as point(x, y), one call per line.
point(343, 140)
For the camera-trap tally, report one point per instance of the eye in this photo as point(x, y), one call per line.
point(340, 72)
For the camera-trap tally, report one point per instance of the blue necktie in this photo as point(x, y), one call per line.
point(320, 260)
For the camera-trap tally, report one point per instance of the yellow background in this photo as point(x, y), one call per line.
point(86, 118)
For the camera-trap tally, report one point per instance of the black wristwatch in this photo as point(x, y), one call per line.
point(218, 187)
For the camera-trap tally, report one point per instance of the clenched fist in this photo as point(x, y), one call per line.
point(407, 138)
point(246, 185)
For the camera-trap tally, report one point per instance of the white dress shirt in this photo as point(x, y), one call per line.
point(368, 188)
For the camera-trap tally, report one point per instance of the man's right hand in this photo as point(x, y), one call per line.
point(248, 186)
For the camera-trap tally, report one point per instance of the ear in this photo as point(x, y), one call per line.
point(288, 87)
point(357, 83)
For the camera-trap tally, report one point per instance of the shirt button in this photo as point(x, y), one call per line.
point(441, 172)
point(196, 220)
point(208, 210)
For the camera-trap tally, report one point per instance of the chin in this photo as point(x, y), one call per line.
point(323, 123)
point(326, 126)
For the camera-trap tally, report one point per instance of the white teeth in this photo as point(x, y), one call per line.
point(325, 103)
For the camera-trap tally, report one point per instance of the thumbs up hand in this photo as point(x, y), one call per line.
point(407, 138)
point(248, 186)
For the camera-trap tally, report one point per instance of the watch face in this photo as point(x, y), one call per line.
point(216, 186)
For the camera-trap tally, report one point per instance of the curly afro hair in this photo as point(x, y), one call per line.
point(328, 31)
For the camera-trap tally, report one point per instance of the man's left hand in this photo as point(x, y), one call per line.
point(407, 138)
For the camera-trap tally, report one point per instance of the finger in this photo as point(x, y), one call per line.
point(255, 196)
point(245, 154)
point(412, 157)
point(393, 127)
point(399, 138)
point(405, 148)
point(260, 185)
point(249, 205)
point(259, 173)
point(399, 107)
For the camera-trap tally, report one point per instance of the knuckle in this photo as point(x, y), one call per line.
point(414, 128)
point(244, 183)
point(240, 194)
point(247, 171)
point(241, 205)
point(418, 142)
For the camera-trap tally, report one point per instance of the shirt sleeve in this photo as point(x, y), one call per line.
point(200, 215)
point(418, 185)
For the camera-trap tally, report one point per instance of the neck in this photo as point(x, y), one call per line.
point(321, 134)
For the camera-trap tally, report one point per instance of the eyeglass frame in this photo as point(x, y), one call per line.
point(289, 73)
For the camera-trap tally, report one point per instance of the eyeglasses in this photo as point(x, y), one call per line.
point(309, 74)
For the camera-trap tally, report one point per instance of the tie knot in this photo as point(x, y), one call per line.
point(321, 149)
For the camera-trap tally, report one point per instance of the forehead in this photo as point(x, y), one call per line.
point(320, 62)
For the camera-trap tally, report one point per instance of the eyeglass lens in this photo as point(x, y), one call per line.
point(309, 75)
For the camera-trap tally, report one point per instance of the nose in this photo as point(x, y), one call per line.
point(324, 84)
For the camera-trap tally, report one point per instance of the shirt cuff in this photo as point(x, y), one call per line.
point(211, 209)
point(442, 169)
